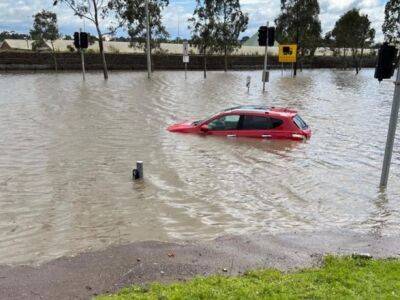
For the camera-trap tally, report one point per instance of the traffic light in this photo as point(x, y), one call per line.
point(386, 62)
point(262, 35)
point(81, 40)
point(77, 43)
point(271, 36)
point(266, 35)
point(84, 40)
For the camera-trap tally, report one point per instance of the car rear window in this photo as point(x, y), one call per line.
point(259, 123)
point(300, 122)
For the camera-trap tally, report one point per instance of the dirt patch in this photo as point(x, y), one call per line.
point(100, 272)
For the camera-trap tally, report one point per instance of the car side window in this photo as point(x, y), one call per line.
point(259, 123)
point(228, 122)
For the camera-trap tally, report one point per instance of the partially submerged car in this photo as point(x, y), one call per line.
point(250, 121)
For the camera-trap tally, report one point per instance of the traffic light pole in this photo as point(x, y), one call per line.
point(82, 56)
point(83, 64)
point(264, 75)
point(391, 131)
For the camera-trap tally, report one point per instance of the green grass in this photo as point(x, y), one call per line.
point(338, 278)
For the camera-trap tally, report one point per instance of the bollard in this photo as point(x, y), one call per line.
point(138, 172)
point(248, 80)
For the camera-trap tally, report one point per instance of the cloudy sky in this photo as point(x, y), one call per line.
point(17, 14)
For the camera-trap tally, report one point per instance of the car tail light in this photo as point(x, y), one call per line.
point(298, 136)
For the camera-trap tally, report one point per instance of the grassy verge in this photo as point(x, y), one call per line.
point(343, 277)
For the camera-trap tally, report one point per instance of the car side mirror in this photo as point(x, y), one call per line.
point(204, 128)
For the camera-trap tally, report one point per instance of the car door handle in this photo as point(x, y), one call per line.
point(231, 135)
point(266, 136)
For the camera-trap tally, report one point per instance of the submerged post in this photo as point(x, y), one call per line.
point(185, 70)
point(391, 131)
point(138, 172)
point(248, 80)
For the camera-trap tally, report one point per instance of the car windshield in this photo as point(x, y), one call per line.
point(300, 122)
point(195, 123)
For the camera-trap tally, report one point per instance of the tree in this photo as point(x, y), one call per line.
point(203, 27)
point(13, 35)
point(353, 30)
point(299, 23)
point(132, 14)
point(95, 11)
point(230, 23)
point(45, 29)
point(391, 25)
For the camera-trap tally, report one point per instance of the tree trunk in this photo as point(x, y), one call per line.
point(361, 58)
point(151, 58)
point(225, 47)
point(355, 60)
point(297, 43)
point(226, 60)
point(301, 62)
point(297, 53)
point(101, 47)
point(54, 57)
point(103, 56)
point(205, 61)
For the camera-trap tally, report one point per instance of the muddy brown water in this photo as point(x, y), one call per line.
point(67, 150)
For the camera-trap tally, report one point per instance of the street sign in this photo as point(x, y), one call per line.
point(185, 48)
point(186, 59)
point(287, 53)
point(265, 76)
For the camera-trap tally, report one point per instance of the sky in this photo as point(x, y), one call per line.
point(16, 15)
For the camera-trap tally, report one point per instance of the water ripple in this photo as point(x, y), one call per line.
point(68, 148)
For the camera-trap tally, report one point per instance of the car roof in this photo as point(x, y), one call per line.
point(277, 111)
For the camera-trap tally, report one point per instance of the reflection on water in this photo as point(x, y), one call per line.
point(68, 149)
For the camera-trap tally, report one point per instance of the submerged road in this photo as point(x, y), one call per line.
point(94, 273)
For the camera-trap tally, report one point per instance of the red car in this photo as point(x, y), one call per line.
point(250, 121)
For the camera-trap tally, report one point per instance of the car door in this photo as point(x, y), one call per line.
point(260, 126)
point(225, 125)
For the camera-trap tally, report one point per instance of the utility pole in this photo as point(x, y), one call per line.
point(265, 77)
point(148, 39)
point(391, 131)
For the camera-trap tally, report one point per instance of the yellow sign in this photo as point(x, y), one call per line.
point(287, 53)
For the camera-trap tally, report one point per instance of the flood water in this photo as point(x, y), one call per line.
point(68, 149)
